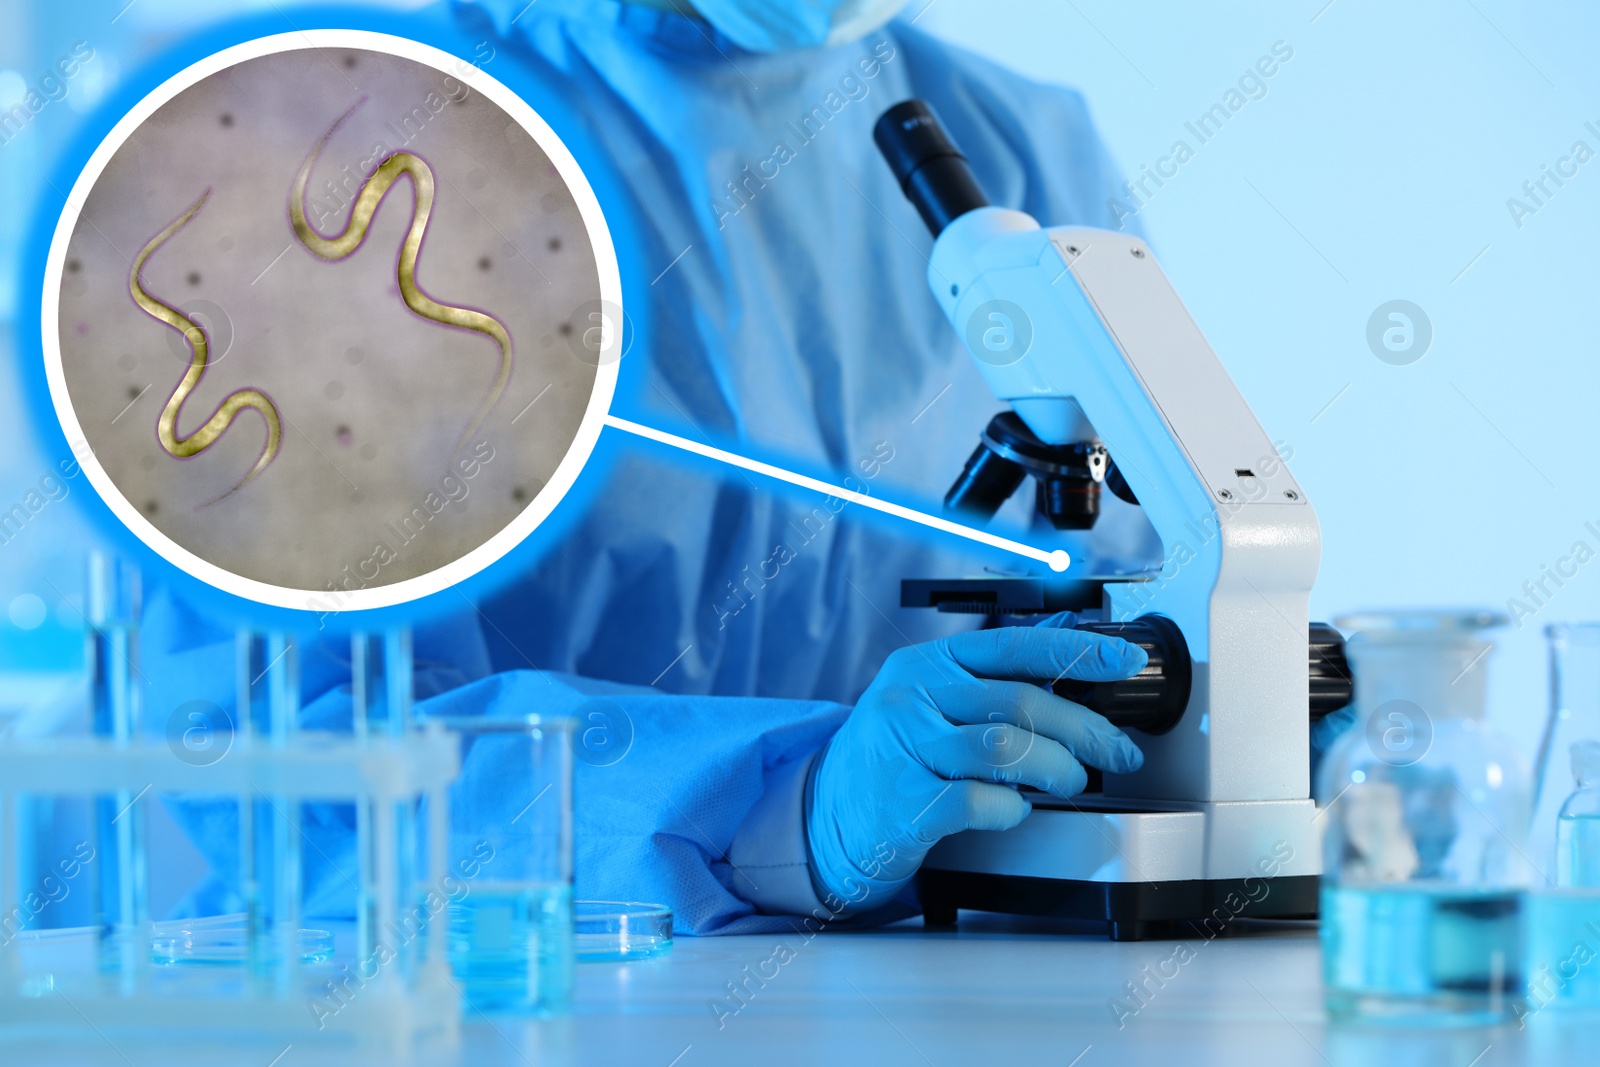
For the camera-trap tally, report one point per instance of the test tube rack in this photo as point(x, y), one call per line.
point(391, 984)
point(382, 1003)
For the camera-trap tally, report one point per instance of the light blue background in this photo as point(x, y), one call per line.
point(1377, 167)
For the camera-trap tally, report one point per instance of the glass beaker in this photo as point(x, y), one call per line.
point(509, 863)
point(1425, 815)
point(1574, 716)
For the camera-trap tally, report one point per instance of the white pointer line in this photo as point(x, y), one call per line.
point(1057, 560)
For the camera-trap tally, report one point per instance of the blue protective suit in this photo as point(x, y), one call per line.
point(798, 322)
point(727, 624)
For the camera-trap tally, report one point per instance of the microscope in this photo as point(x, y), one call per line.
point(1110, 384)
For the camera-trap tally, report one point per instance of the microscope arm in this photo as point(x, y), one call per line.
point(1103, 346)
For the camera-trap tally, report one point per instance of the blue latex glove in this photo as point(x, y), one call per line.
point(936, 742)
point(1325, 732)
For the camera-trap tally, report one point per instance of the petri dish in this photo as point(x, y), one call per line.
point(611, 931)
point(222, 939)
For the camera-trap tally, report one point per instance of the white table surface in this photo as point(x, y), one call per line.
point(996, 991)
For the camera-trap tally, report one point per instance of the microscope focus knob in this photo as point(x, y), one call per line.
point(1331, 687)
point(1151, 701)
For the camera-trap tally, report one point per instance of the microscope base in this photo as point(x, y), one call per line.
point(1133, 911)
point(1135, 864)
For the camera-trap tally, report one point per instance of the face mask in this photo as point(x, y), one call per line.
point(782, 25)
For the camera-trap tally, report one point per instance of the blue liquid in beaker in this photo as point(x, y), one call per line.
point(510, 946)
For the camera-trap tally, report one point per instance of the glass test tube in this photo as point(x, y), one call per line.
point(381, 690)
point(10, 919)
point(112, 656)
point(269, 830)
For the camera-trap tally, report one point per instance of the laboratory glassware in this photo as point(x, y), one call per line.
point(1563, 963)
point(510, 860)
point(1578, 824)
point(1425, 813)
point(612, 931)
point(260, 972)
point(111, 657)
point(1574, 716)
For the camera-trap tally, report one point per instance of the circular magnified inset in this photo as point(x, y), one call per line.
point(383, 240)
point(602, 333)
point(217, 333)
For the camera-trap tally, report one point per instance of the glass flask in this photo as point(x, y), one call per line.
point(1574, 716)
point(1425, 815)
point(1578, 826)
point(1563, 964)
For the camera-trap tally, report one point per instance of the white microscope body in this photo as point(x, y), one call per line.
point(1104, 350)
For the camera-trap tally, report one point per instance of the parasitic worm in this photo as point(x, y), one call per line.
point(195, 335)
point(355, 232)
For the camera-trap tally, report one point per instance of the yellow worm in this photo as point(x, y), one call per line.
point(167, 426)
point(355, 232)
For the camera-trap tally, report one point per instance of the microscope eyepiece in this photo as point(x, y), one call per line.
point(931, 170)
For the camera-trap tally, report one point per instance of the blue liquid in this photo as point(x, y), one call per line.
point(1422, 953)
point(1563, 966)
point(511, 947)
point(1578, 851)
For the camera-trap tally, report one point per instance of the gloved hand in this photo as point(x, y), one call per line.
point(1325, 732)
point(927, 748)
